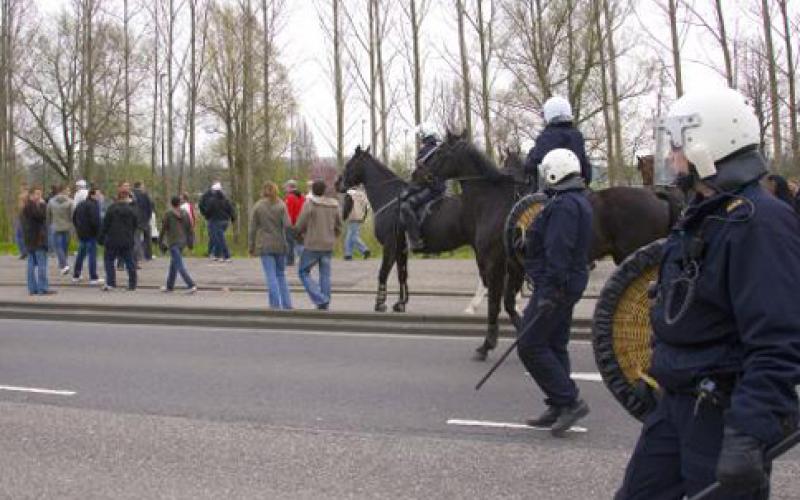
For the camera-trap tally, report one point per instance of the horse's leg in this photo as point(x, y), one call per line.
point(386, 267)
point(514, 282)
point(480, 292)
point(495, 278)
point(402, 276)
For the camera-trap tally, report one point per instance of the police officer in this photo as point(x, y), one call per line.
point(556, 259)
point(559, 132)
point(418, 195)
point(725, 318)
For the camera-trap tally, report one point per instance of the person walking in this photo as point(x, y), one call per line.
point(354, 212)
point(269, 225)
point(202, 206)
point(59, 217)
point(725, 322)
point(86, 219)
point(176, 234)
point(220, 213)
point(143, 244)
point(117, 236)
point(34, 228)
point(318, 225)
point(557, 261)
point(294, 204)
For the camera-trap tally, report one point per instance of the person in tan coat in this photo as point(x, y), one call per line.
point(269, 222)
point(318, 226)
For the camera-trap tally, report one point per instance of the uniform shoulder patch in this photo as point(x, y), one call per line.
point(734, 204)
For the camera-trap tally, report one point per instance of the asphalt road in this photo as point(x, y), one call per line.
point(172, 412)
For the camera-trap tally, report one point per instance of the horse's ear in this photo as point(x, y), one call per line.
point(358, 149)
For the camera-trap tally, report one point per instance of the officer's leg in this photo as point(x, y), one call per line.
point(560, 341)
point(654, 470)
point(409, 219)
point(702, 442)
point(541, 361)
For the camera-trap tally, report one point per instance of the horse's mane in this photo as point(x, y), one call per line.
point(482, 164)
point(378, 164)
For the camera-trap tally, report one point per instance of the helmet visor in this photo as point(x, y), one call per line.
point(675, 126)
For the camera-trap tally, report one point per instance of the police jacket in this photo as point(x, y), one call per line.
point(436, 185)
point(742, 323)
point(556, 136)
point(86, 219)
point(557, 246)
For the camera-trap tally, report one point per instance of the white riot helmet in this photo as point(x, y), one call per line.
point(559, 164)
point(710, 125)
point(427, 130)
point(557, 109)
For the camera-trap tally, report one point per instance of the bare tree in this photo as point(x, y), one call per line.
point(484, 27)
point(466, 84)
point(774, 96)
point(790, 78)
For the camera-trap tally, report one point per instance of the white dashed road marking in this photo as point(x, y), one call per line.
point(505, 425)
point(37, 390)
point(587, 377)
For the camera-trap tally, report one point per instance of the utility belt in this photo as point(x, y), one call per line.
point(713, 390)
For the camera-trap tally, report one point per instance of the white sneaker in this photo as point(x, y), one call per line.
point(191, 291)
point(98, 281)
point(75, 281)
point(165, 289)
point(107, 288)
point(227, 261)
point(65, 271)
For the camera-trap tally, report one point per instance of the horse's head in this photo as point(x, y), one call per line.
point(444, 161)
point(353, 174)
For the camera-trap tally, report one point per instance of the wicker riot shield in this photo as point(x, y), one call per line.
point(621, 330)
point(519, 219)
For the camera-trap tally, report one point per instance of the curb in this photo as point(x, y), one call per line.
point(246, 318)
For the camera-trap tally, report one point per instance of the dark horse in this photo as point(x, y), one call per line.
point(451, 224)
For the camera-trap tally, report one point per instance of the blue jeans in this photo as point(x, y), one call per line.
point(176, 267)
point(293, 248)
point(353, 239)
point(125, 255)
point(61, 242)
point(543, 350)
point(37, 271)
point(274, 266)
point(220, 246)
point(211, 248)
point(19, 238)
point(320, 293)
point(86, 248)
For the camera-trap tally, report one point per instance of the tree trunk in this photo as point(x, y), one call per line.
point(383, 110)
point(127, 57)
point(170, 100)
point(156, 88)
point(676, 48)
point(723, 42)
point(610, 161)
point(247, 115)
point(417, 69)
point(773, 85)
point(614, 81)
point(192, 94)
point(483, 34)
point(267, 63)
point(373, 123)
point(466, 85)
point(91, 135)
point(790, 76)
point(338, 85)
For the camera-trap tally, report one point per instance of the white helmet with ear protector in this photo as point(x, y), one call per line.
point(710, 125)
point(559, 164)
point(557, 108)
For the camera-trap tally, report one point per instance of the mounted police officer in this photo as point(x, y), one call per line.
point(556, 260)
point(725, 318)
point(559, 132)
point(419, 194)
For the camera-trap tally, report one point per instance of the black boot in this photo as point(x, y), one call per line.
point(569, 415)
point(546, 419)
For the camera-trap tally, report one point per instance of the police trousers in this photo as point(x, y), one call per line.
point(677, 453)
point(543, 350)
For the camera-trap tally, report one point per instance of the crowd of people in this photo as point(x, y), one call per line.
point(297, 226)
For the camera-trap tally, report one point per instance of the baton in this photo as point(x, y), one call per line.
point(771, 454)
point(504, 356)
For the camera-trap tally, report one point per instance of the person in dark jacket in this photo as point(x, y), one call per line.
point(202, 206)
point(219, 212)
point(559, 132)
point(86, 219)
point(34, 228)
point(144, 205)
point(117, 236)
point(556, 260)
point(176, 234)
point(418, 195)
point(726, 350)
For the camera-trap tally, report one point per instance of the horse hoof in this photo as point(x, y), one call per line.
point(480, 354)
point(381, 308)
point(399, 307)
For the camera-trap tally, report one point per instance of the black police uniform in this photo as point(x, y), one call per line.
point(728, 356)
point(560, 135)
point(418, 195)
point(556, 259)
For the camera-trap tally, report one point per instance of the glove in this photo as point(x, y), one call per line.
point(741, 462)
